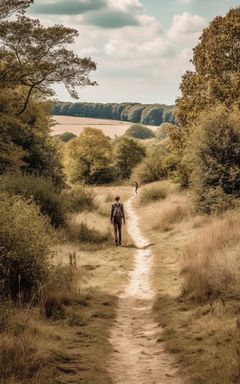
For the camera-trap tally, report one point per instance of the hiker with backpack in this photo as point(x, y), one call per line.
point(117, 218)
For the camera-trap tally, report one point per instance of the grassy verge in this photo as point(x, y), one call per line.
point(202, 334)
point(66, 338)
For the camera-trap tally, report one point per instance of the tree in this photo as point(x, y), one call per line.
point(215, 159)
point(139, 131)
point(127, 154)
point(215, 80)
point(8, 7)
point(88, 158)
point(35, 58)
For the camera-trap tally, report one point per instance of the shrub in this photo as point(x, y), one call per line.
point(139, 131)
point(212, 257)
point(78, 198)
point(158, 164)
point(153, 193)
point(38, 188)
point(216, 160)
point(161, 132)
point(25, 239)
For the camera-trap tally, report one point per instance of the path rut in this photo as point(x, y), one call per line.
point(138, 357)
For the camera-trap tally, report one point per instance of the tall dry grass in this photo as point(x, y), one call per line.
point(211, 260)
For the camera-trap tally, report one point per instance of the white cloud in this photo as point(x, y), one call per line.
point(186, 2)
point(125, 5)
point(186, 27)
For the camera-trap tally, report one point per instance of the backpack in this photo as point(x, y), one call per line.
point(117, 210)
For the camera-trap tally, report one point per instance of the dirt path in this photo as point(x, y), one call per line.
point(138, 357)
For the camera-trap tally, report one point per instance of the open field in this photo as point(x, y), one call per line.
point(111, 128)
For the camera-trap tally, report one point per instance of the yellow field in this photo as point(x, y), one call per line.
point(111, 128)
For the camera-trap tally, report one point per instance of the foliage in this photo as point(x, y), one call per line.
point(215, 80)
point(216, 159)
point(66, 136)
point(35, 57)
point(127, 154)
point(159, 163)
point(24, 247)
point(7, 8)
point(39, 189)
point(139, 131)
point(162, 131)
point(88, 157)
point(153, 193)
point(25, 140)
point(150, 114)
point(79, 198)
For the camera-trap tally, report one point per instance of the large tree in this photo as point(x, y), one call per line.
point(36, 57)
point(128, 153)
point(88, 158)
point(215, 80)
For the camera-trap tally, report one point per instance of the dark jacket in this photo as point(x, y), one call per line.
point(112, 211)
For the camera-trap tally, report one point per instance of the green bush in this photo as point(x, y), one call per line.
point(158, 164)
point(216, 160)
point(139, 131)
point(153, 193)
point(39, 189)
point(79, 198)
point(25, 240)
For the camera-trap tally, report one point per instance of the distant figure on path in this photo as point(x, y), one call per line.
point(117, 218)
point(136, 186)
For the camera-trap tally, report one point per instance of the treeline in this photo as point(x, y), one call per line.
point(148, 114)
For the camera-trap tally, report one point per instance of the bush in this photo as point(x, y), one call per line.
point(216, 160)
point(158, 164)
point(161, 132)
point(78, 198)
point(39, 189)
point(139, 131)
point(25, 239)
point(153, 193)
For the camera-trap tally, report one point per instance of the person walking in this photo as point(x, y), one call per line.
point(117, 218)
point(136, 187)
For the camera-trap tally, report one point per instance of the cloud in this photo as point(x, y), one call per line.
point(186, 2)
point(111, 19)
point(186, 26)
point(126, 5)
point(72, 7)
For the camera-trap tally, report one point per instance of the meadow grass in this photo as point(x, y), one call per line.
point(155, 192)
point(200, 326)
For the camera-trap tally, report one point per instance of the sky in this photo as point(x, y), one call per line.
point(141, 47)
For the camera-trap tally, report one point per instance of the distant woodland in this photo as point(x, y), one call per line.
point(149, 114)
